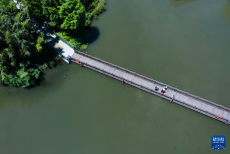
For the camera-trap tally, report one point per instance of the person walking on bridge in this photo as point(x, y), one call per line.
point(172, 98)
point(164, 89)
point(156, 88)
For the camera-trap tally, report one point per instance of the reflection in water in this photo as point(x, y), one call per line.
point(95, 33)
point(225, 11)
point(29, 97)
point(176, 3)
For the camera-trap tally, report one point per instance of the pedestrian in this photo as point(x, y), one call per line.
point(172, 99)
point(157, 88)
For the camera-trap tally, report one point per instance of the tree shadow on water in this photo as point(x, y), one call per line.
point(48, 57)
point(95, 33)
point(27, 97)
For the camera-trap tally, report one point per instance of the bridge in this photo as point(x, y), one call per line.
point(180, 97)
point(183, 98)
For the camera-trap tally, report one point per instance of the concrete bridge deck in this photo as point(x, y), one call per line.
point(182, 98)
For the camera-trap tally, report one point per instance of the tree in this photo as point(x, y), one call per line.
point(50, 11)
point(73, 14)
point(22, 52)
point(35, 7)
point(19, 44)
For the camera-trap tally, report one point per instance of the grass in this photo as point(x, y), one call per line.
point(80, 40)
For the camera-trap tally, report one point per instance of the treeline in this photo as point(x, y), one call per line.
point(65, 14)
point(23, 54)
point(69, 18)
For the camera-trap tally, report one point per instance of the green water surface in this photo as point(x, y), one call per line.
point(183, 43)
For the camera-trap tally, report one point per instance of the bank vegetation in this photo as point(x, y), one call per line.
point(23, 53)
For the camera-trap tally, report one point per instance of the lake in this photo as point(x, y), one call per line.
point(183, 43)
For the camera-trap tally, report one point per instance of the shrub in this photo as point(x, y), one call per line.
point(99, 8)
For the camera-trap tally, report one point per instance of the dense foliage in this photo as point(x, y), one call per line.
point(19, 44)
point(22, 52)
point(69, 18)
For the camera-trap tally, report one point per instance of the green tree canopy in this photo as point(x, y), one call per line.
point(22, 55)
point(19, 44)
point(50, 11)
point(61, 14)
point(73, 14)
point(34, 6)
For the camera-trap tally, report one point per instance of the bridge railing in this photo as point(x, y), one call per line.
point(152, 91)
point(154, 81)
